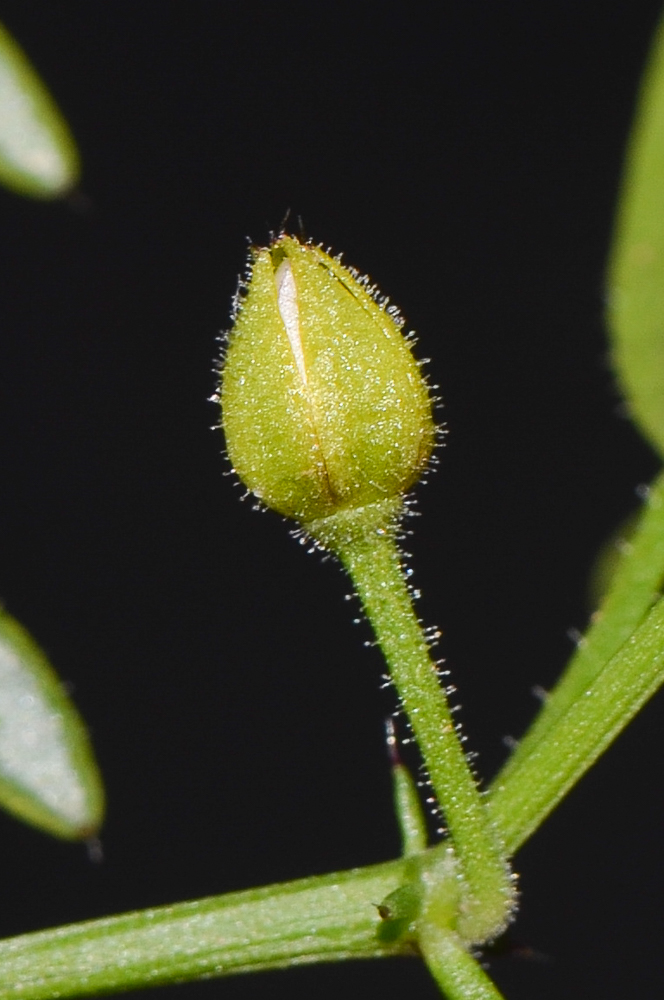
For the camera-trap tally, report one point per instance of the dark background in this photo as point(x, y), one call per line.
point(467, 156)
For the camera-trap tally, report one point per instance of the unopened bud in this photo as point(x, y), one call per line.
point(324, 407)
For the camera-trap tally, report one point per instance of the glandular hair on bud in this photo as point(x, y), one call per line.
point(324, 407)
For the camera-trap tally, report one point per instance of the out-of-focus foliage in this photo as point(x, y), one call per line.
point(636, 274)
point(38, 156)
point(48, 775)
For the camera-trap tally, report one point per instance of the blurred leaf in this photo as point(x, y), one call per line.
point(636, 272)
point(38, 156)
point(48, 774)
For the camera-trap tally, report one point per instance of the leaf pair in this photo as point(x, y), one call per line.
point(48, 775)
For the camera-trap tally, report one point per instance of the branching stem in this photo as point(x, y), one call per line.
point(365, 542)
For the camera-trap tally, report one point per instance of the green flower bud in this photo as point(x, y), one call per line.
point(324, 407)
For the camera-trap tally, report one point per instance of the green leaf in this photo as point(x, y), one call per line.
point(635, 585)
point(636, 272)
point(48, 775)
point(519, 800)
point(407, 806)
point(38, 156)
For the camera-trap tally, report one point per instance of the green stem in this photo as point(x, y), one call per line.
point(325, 918)
point(519, 800)
point(364, 540)
point(634, 587)
point(457, 973)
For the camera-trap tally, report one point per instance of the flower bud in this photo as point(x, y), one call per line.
point(324, 407)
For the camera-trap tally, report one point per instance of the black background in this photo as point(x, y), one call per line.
point(467, 156)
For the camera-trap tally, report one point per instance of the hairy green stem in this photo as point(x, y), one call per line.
point(365, 542)
point(455, 970)
point(325, 918)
